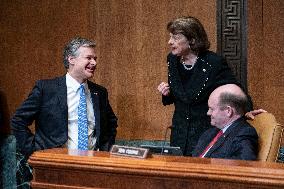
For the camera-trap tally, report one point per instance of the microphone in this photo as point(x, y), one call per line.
point(163, 149)
point(165, 139)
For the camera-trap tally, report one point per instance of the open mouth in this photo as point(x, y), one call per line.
point(91, 68)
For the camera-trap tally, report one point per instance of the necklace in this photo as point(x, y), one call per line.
point(188, 67)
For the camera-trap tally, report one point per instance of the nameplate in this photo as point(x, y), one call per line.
point(129, 151)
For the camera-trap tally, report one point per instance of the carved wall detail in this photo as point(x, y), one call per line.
point(232, 36)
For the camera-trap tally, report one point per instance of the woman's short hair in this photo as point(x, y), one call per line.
point(193, 30)
point(71, 49)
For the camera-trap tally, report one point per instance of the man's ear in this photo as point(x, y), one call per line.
point(230, 111)
point(71, 60)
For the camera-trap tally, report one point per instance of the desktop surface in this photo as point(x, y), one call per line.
point(74, 169)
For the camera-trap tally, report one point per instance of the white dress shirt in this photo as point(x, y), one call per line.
point(73, 97)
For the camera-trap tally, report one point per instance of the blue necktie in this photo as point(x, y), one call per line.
point(82, 121)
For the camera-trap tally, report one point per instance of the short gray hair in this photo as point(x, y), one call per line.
point(71, 49)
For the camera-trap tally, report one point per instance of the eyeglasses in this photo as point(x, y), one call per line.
point(176, 37)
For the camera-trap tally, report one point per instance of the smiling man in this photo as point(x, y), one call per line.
point(232, 137)
point(69, 111)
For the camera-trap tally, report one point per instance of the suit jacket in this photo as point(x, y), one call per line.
point(190, 98)
point(240, 141)
point(47, 106)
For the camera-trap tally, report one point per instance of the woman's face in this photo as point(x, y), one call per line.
point(179, 44)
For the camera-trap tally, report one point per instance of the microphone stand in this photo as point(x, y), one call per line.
point(165, 138)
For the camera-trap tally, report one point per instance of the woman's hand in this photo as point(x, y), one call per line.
point(253, 113)
point(164, 89)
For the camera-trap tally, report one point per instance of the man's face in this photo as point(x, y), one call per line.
point(83, 66)
point(219, 116)
point(179, 44)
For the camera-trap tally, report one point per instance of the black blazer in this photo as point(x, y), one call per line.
point(240, 141)
point(190, 98)
point(47, 106)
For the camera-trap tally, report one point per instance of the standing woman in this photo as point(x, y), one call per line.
point(193, 73)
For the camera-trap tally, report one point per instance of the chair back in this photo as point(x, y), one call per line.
point(270, 133)
point(8, 163)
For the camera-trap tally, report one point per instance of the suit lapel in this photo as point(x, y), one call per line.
point(231, 130)
point(199, 79)
point(96, 105)
point(62, 97)
point(207, 139)
point(219, 142)
point(191, 91)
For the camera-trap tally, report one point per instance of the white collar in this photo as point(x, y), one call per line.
point(73, 83)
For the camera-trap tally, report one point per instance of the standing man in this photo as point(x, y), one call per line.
point(232, 137)
point(69, 111)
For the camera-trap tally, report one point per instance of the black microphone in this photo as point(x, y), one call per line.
point(165, 139)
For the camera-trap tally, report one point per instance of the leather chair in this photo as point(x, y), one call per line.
point(270, 133)
point(8, 162)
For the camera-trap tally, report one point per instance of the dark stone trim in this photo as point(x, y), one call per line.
point(232, 36)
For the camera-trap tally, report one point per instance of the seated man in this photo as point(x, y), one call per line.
point(232, 137)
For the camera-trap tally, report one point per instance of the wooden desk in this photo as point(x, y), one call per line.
point(58, 168)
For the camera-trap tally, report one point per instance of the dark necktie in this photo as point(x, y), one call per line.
point(82, 121)
point(214, 140)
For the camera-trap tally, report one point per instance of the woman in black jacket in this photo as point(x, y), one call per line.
point(193, 73)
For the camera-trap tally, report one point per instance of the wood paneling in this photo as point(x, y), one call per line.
point(132, 48)
point(266, 55)
point(60, 168)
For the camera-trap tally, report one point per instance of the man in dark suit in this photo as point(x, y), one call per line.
point(232, 137)
point(53, 105)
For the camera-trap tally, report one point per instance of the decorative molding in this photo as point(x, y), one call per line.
point(232, 36)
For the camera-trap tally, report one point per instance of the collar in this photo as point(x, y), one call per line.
point(229, 124)
point(73, 83)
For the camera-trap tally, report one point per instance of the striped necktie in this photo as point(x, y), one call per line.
point(82, 121)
